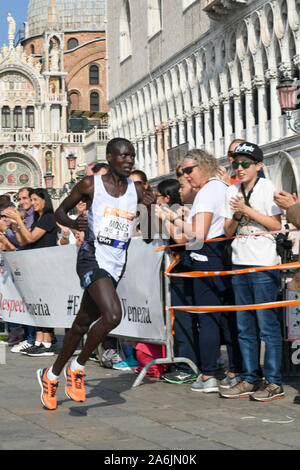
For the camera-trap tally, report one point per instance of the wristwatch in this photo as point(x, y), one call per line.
point(236, 219)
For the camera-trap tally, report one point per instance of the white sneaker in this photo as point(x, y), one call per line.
point(206, 386)
point(19, 348)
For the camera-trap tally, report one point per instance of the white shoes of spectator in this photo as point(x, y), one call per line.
point(21, 347)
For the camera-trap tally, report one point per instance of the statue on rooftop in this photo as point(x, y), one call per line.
point(11, 29)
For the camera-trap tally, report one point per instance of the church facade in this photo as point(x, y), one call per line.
point(37, 81)
point(200, 73)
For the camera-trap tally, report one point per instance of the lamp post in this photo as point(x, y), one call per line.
point(58, 193)
point(287, 90)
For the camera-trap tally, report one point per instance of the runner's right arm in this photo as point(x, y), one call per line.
point(84, 190)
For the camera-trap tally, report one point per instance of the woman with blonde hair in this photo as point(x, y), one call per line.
point(205, 223)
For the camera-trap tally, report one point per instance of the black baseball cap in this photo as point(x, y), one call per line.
point(250, 150)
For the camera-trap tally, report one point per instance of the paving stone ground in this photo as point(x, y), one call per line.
point(154, 416)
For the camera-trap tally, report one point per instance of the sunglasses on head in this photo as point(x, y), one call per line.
point(244, 165)
point(188, 170)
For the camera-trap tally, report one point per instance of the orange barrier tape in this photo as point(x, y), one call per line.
point(176, 259)
point(253, 269)
point(221, 239)
point(235, 308)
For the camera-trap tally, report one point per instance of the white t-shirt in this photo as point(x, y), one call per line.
point(210, 198)
point(260, 250)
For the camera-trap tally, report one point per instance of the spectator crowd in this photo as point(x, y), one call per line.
point(212, 214)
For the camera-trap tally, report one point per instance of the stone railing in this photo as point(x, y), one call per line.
point(33, 137)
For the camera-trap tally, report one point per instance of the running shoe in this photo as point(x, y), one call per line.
point(207, 386)
point(21, 347)
point(121, 366)
point(48, 387)
point(267, 392)
point(243, 389)
point(41, 350)
point(179, 377)
point(229, 381)
point(128, 364)
point(74, 384)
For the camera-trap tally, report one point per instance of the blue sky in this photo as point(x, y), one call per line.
point(18, 9)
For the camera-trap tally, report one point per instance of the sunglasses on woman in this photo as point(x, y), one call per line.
point(188, 170)
point(244, 165)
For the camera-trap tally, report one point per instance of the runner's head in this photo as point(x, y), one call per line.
point(120, 154)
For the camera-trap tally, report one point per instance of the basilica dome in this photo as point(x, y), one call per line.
point(70, 15)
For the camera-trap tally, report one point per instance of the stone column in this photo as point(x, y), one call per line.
point(198, 128)
point(190, 131)
point(11, 119)
point(174, 136)
point(181, 126)
point(147, 155)
point(47, 118)
point(38, 118)
point(238, 120)
point(217, 128)
point(207, 126)
point(23, 118)
point(160, 150)
point(153, 155)
point(262, 109)
point(141, 157)
point(1, 117)
point(228, 130)
point(63, 125)
point(249, 111)
point(166, 132)
point(271, 75)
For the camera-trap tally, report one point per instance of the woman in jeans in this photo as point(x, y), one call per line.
point(205, 222)
point(43, 233)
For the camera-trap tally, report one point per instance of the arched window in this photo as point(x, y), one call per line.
point(94, 75)
point(6, 124)
point(74, 101)
point(18, 117)
point(125, 31)
point(30, 117)
point(72, 43)
point(94, 101)
point(32, 49)
point(154, 17)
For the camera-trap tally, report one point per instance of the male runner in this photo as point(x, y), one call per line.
point(112, 201)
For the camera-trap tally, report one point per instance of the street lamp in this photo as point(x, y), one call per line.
point(58, 193)
point(287, 90)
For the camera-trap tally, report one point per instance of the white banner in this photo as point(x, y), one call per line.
point(41, 288)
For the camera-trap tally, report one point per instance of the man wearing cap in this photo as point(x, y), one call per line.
point(250, 208)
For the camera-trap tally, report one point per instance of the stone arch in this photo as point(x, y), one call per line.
point(25, 164)
point(242, 40)
point(23, 70)
point(286, 172)
point(169, 95)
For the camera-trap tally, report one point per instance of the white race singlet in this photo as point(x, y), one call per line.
point(111, 221)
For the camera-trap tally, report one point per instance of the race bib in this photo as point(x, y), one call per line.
point(116, 227)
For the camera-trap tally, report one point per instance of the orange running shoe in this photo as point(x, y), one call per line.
point(75, 386)
point(48, 395)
